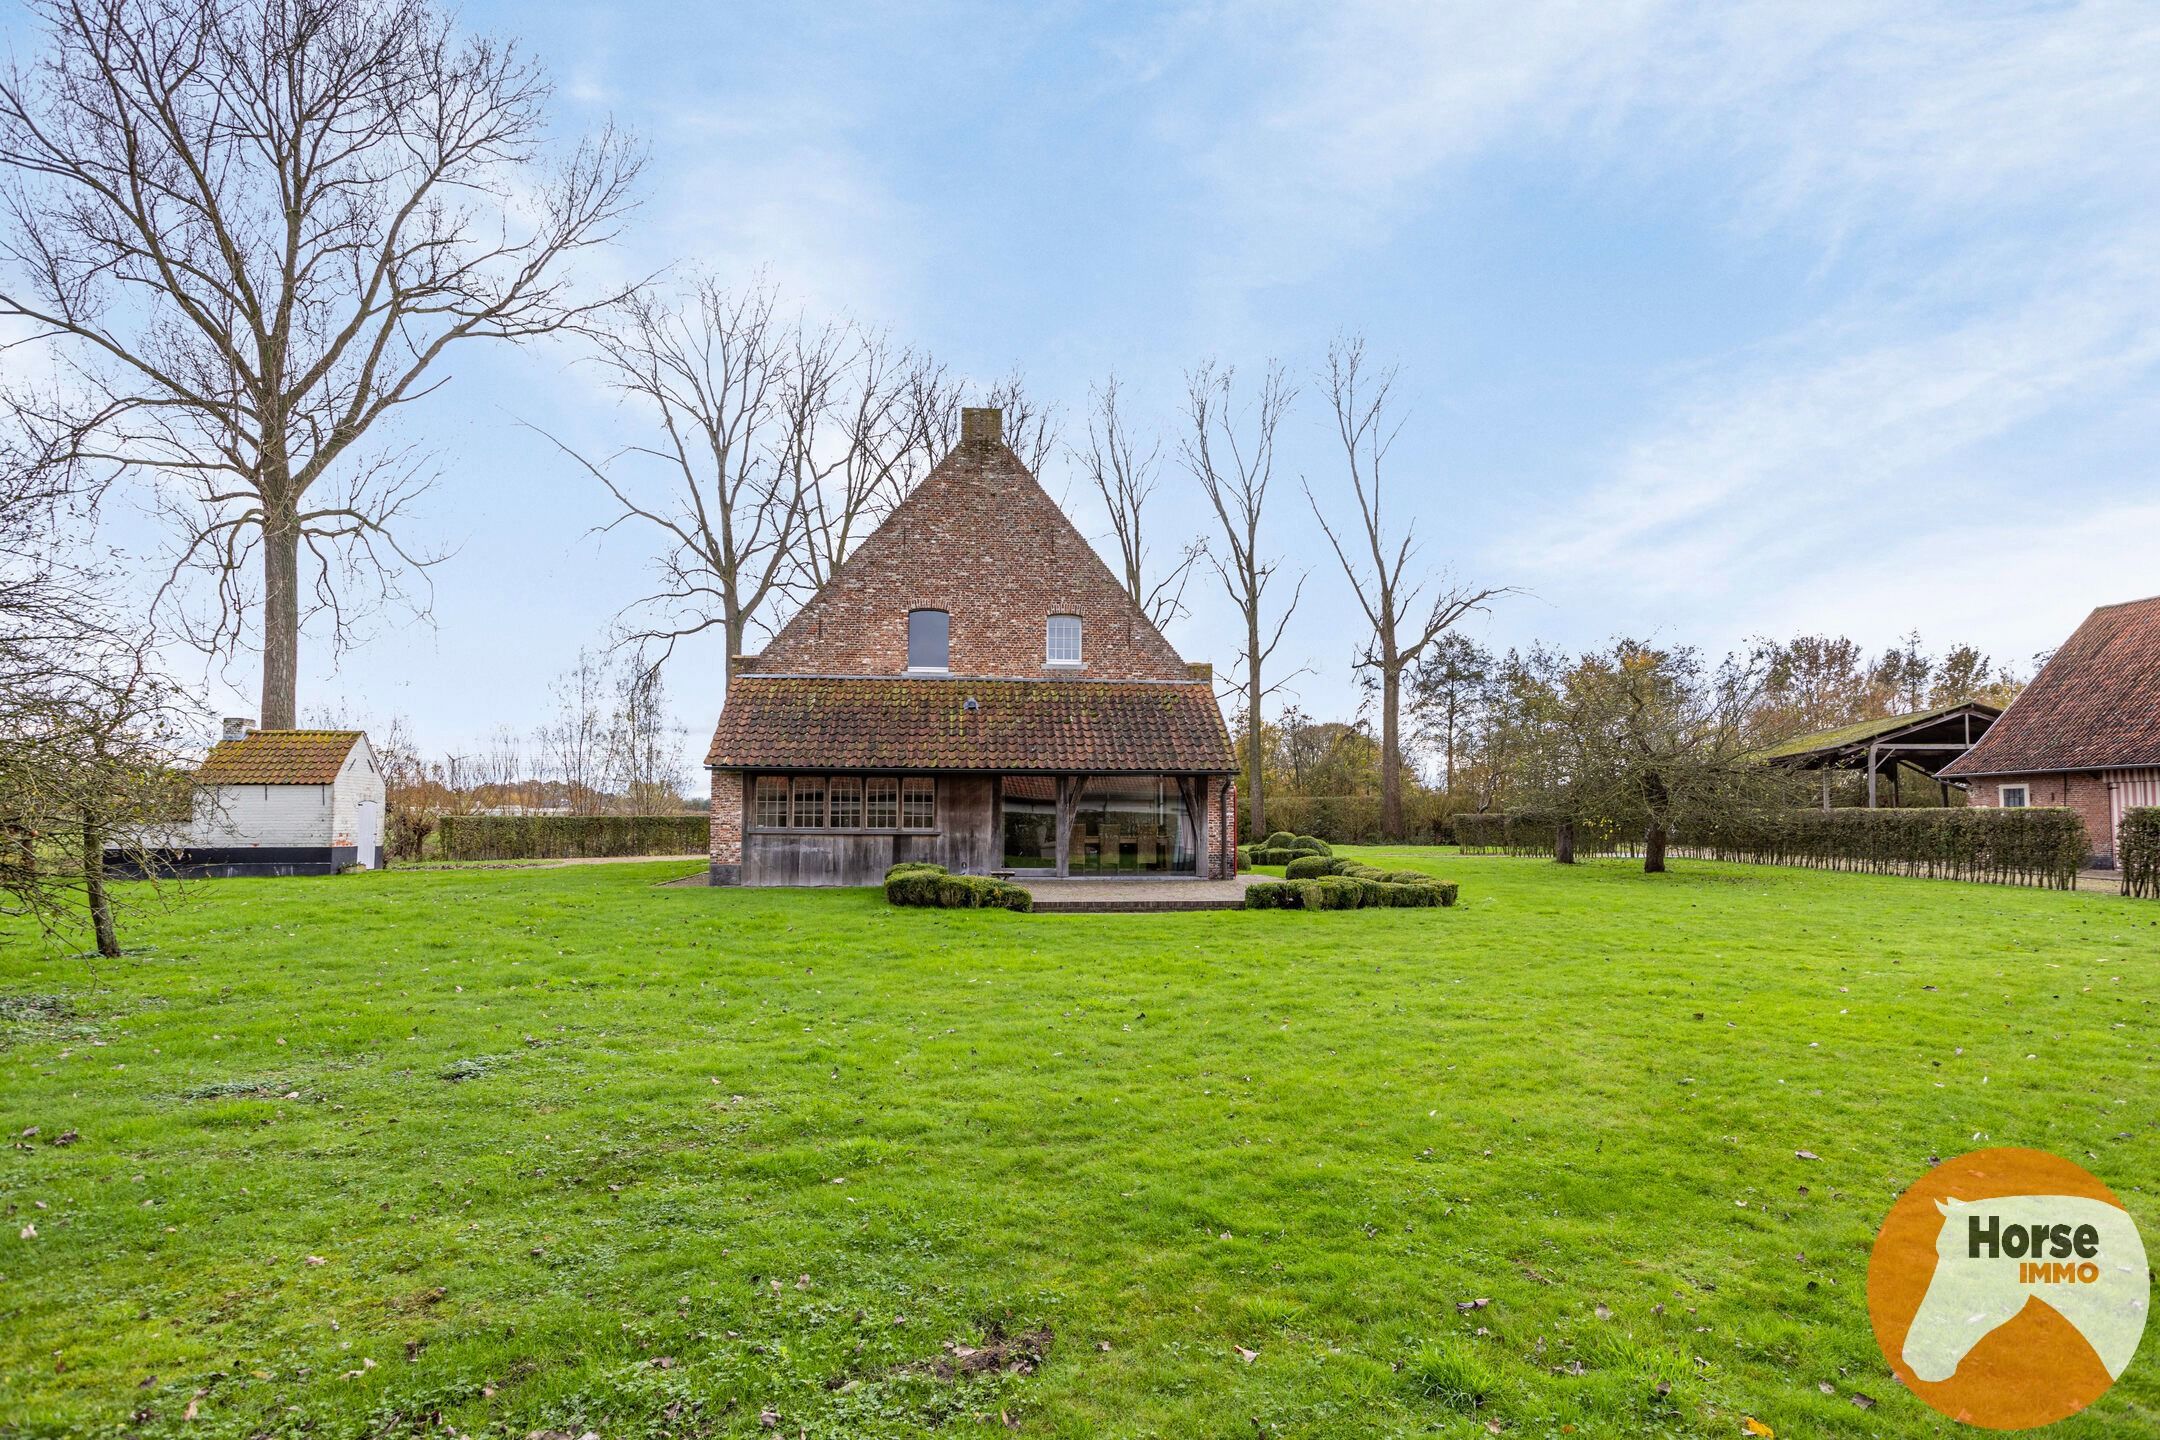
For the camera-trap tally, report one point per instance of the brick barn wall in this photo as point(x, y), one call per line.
point(1222, 831)
point(2084, 792)
point(982, 541)
point(727, 826)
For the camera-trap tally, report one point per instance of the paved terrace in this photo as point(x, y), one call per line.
point(1166, 893)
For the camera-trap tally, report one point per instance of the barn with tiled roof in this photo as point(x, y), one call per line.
point(973, 687)
point(2086, 732)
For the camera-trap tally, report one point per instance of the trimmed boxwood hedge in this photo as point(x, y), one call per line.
point(570, 837)
point(2137, 851)
point(916, 882)
point(1306, 867)
point(1350, 892)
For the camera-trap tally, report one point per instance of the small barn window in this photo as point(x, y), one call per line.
point(772, 801)
point(809, 802)
point(2014, 797)
point(1061, 640)
point(918, 804)
point(881, 802)
point(929, 640)
point(846, 803)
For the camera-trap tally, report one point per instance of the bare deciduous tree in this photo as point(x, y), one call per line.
point(253, 228)
point(714, 372)
point(89, 726)
point(1124, 474)
point(1230, 450)
point(574, 744)
point(1031, 429)
point(1403, 619)
point(861, 412)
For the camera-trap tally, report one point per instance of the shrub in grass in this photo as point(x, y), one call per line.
point(1347, 892)
point(1309, 867)
point(1244, 857)
point(919, 883)
point(1271, 855)
point(2137, 844)
point(1312, 845)
point(1279, 840)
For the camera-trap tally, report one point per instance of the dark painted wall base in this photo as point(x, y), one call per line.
point(232, 862)
point(726, 874)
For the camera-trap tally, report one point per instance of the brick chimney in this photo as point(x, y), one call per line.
point(236, 728)
point(982, 428)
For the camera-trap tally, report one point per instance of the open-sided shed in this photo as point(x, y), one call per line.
point(1925, 740)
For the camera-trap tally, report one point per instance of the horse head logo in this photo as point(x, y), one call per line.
point(2080, 1256)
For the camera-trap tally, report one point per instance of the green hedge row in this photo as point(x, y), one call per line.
point(570, 837)
point(1344, 892)
point(1355, 819)
point(917, 882)
point(1320, 883)
point(2041, 846)
point(1528, 832)
point(2137, 851)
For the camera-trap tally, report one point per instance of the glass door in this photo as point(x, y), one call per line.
point(1028, 827)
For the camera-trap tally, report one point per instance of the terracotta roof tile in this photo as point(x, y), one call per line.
point(846, 723)
point(2095, 705)
point(278, 757)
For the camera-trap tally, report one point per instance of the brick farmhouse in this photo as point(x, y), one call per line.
point(975, 688)
point(2086, 732)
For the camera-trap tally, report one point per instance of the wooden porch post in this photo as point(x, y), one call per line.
point(1068, 794)
point(1871, 761)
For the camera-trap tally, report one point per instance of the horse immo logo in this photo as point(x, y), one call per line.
point(2008, 1288)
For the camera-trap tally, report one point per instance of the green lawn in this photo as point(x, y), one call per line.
point(575, 1152)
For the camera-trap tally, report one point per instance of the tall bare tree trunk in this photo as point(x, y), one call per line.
point(1653, 854)
point(1255, 693)
point(93, 861)
point(281, 617)
point(1391, 826)
point(1563, 850)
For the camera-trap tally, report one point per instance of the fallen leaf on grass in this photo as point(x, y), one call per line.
point(1865, 1402)
point(1466, 1306)
point(1756, 1427)
point(1248, 1356)
point(1806, 1155)
point(1604, 1312)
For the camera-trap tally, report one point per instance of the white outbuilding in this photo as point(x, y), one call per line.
point(283, 802)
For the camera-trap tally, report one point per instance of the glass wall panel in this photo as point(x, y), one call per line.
point(1131, 825)
point(1030, 823)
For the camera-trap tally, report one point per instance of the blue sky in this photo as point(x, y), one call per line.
point(1713, 320)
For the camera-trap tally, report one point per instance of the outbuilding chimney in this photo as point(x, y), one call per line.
point(236, 728)
point(982, 428)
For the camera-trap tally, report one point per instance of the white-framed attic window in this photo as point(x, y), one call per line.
point(1061, 640)
point(2013, 797)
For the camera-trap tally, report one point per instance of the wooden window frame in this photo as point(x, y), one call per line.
point(834, 786)
point(868, 822)
point(907, 785)
point(798, 787)
point(899, 788)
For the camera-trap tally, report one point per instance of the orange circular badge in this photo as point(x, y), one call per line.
point(2008, 1288)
